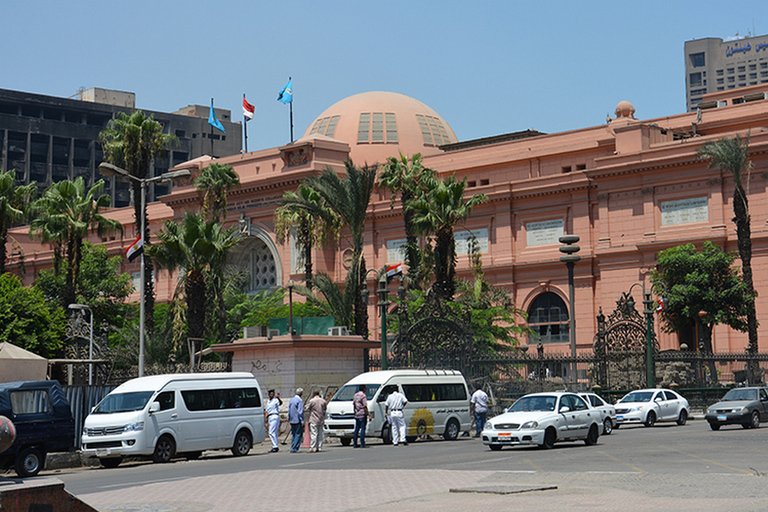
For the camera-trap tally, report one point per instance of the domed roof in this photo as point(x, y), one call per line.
point(379, 124)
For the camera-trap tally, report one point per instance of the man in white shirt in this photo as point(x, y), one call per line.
point(478, 406)
point(272, 417)
point(395, 403)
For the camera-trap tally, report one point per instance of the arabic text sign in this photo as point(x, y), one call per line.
point(684, 211)
point(544, 233)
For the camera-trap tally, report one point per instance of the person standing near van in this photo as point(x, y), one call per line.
point(316, 410)
point(478, 406)
point(395, 403)
point(360, 408)
point(296, 419)
point(272, 418)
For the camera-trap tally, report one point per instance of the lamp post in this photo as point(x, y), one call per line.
point(648, 312)
point(108, 169)
point(83, 307)
point(290, 308)
point(570, 258)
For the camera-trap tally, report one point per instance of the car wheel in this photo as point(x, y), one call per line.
point(451, 430)
point(550, 436)
point(650, 420)
point(714, 426)
point(386, 434)
point(592, 436)
point(29, 462)
point(242, 444)
point(607, 426)
point(346, 441)
point(111, 462)
point(616, 426)
point(494, 447)
point(755, 420)
point(683, 417)
point(165, 449)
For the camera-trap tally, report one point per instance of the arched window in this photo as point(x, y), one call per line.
point(548, 318)
point(259, 259)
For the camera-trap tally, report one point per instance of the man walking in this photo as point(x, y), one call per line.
point(296, 419)
point(360, 408)
point(478, 406)
point(272, 418)
point(395, 403)
point(316, 409)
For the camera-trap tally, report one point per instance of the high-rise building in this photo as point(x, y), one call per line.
point(46, 139)
point(712, 64)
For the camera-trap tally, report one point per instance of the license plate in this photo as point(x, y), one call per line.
point(722, 417)
point(619, 417)
point(102, 453)
point(505, 434)
point(340, 433)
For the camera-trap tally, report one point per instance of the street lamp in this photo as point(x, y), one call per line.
point(83, 307)
point(108, 169)
point(570, 258)
point(290, 308)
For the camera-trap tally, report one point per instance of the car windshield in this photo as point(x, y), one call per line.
point(346, 393)
point(534, 403)
point(740, 394)
point(123, 402)
point(638, 396)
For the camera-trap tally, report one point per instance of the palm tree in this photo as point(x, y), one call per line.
point(132, 142)
point(410, 180)
point(730, 155)
point(196, 247)
point(215, 181)
point(14, 204)
point(343, 201)
point(436, 213)
point(65, 214)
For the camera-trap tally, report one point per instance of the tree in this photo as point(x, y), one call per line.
point(701, 288)
point(409, 180)
point(28, 320)
point(195, 247)
point(215, 181)
point(132, 142)
point(65, 214)
point(14, 205)
point(343, 202)
point(437, 213)
point(730, 155)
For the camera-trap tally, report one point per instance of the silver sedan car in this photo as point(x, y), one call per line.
point(607, 411)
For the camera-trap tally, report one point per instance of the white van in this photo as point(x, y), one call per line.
point(438, 403)
point(163, 415)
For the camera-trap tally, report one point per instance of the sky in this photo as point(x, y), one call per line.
point(487, 68)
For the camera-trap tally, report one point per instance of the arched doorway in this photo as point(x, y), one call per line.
point(258, 255)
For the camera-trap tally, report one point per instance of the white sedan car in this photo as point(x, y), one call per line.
point(543, 419)
point(607, 411)
point(647, 406)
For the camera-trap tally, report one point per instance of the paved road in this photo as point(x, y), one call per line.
point(663, 468)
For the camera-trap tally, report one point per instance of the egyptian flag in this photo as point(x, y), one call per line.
point(248, 110)
point(394, 271)
point(135, 249)
point(660, 305)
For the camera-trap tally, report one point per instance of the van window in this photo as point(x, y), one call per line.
point(434, 392)
point(33, 401)
point(123, 402)
point(207, 399)
point(388, 389)
point(346, 393)
point(166, 399)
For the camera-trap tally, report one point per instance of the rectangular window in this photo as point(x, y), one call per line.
point(332, 126)
point(425, 133)
point(719, 72)
point(742, 69)
point(209, 399)
point(391, 127)
point(363, 127)
point(434, 392)
point(377, 129)
point(435, 131)
point(33, 401)
point(694, 79)
point(323, 125)
point(697, 59)
point(730, 71)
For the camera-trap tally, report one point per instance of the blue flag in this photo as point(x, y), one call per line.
point(286, 93)
point(213, 121)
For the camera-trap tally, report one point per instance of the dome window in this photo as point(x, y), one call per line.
point(374, 126)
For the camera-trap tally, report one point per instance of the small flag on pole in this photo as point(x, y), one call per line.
point(286, 93)
point(213, 121)
point(394, 270)
point(135, 249)
point(660, 305)
point(248, 110)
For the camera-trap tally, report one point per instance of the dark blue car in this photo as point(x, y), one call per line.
point(43, 419)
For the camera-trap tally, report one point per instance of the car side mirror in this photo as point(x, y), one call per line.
point(154, 407)
point(564, 409)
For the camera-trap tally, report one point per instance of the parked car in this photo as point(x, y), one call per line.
point(739, 406)
point(43, 419)
point(647, 406)
point(607, 411)
point(543, 419)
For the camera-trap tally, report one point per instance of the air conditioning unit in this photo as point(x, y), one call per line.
point(339, 330)
point(255, 331)
point(271, 333)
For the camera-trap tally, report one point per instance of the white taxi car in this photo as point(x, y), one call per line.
point(647, 406)
point(543, 419)
point(607, 411)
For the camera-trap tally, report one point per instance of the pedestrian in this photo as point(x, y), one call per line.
point(395, 403)
point(478, 406)
point(296, 419)
point(272, 417)
point(316, 410)
point(360, 408)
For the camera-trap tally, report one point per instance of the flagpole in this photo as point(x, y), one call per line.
point(245, 126)
point(291, 104)
point(209, 116)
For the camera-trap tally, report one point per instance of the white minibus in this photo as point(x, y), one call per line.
point(438, 403)
point(164, 415)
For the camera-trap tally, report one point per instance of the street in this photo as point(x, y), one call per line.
point(667, 461)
